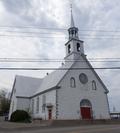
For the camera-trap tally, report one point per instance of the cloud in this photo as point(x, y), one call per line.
point(88, 14)
point(16, 7)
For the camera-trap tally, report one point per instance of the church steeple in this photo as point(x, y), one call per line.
point(73, 31)
point(72, 20)
point(74, 46)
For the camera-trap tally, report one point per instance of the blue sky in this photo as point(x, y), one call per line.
point(88, 15)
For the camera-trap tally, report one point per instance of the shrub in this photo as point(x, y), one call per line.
point(20, 116)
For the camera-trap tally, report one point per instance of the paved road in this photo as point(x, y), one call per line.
point(81, 129)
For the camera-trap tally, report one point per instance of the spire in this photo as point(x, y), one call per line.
point(72, 31)
point(72, 20)
point(74, 46)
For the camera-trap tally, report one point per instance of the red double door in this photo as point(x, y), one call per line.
point(86, 112)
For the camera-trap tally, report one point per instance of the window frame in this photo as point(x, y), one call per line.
point(37, 104)
point(94, 86)
point(83, 78)
point(78, 47)
point(43, 103)
point(69, 48)
point(32, 106)
point(72, 82)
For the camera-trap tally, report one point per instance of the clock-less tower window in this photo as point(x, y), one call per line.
point(78, 47)
point(69, 48)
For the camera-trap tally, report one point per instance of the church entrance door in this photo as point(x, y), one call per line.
point(85, 109)
point(85, 112)
point(50, 114)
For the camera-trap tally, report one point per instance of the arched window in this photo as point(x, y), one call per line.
point(32, 106)
point(37, 105)
point(94, 87)
point(85, 103)
point(43, 103)
point(78, 47)
point(72, 32)
point(72, 82)
point(69, 48)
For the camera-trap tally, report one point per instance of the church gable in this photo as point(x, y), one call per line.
point(79, 85)
point(82, 74)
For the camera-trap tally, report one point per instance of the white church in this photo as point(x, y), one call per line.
point(73, 91)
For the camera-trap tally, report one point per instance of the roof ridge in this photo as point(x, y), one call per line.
point(24, 76)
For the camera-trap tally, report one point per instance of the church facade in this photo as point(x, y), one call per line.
point(73, 91)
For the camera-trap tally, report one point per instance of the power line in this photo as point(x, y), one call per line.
point(3, 35)
point(51, 28)
point(93, 30)
point(33, 36)
point(97, 58)
point(33, 27)
point(58, 60)
point(23, 68)
point(27, 61)
point(56, 33)
point(51, 32)
point(34, 32)
point(57, 29)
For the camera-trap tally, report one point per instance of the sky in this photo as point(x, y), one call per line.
point(38, 29)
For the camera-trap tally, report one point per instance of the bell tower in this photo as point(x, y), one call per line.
point(74, 46)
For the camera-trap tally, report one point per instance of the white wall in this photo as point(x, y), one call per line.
point(13, 104)
point(69, 98)
point(50, 98)
point(19, 104)
point(23, 104)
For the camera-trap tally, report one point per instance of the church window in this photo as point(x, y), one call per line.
point(94, 85)
point(72, 82)
point(72, 32)
point(78, 47)
point(37, 105)
point(83, 78)
point(85, 103)
point(43, 103)
point(69, 48)
point(32, 105)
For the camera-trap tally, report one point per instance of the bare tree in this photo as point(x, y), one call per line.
point(4, 102)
